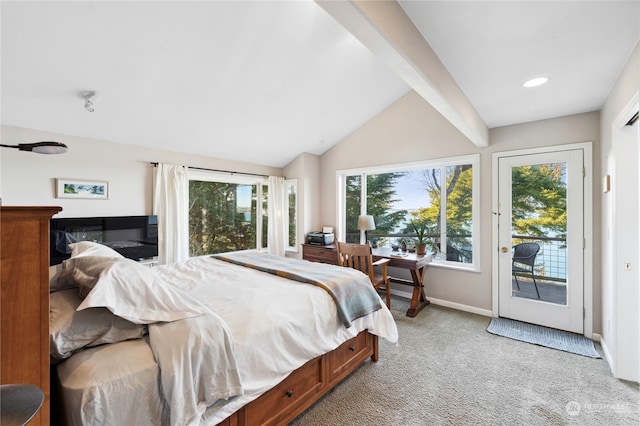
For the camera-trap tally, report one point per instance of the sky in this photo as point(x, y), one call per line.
point(411, 191)
point(243, 194)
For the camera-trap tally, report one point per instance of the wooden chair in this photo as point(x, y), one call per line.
point(358, 256)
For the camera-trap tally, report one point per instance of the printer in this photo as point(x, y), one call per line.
point(320, 238)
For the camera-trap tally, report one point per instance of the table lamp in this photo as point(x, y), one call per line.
point(366, 223)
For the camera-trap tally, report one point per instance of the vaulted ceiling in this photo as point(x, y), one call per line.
point(265, 81)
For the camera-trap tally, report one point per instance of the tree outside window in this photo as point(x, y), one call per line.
point(539, 200)
point(265, 216)
point(232, 215)
point(451, 237)
point(222, 217)
point(292, 200)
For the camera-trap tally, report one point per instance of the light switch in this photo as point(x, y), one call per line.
point(606, 183)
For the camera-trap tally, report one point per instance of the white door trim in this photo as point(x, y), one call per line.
point(620, 341)
point(588, 225)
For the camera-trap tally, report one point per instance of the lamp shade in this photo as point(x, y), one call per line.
point(366, 223)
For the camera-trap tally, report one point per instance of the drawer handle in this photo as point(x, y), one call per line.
point(289, 393)
point(352, 348)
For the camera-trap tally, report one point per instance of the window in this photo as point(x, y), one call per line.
point(291, 190)
point(265, 216)
point(441, 194)
point(224, 212)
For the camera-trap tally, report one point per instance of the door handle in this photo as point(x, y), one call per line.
point(504, 249)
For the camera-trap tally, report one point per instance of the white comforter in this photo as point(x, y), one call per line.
point(193, 380)
point(276, 325)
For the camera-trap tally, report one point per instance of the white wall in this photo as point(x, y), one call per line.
point(29, 179)
point(619, 159)
point(411, 130)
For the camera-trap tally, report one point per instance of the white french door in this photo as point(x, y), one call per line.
point(541, 201)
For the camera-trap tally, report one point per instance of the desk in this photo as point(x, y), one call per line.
point(417, 265)
point(414, 263)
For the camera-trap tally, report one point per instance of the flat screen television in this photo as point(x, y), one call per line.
point(135, 237)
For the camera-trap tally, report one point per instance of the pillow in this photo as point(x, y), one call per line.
point(59, 279)
point(134, 292)
point(85, 271)
point(89, 248)
point(71, 330)
point(88, 253)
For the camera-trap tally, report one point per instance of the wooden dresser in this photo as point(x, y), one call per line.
point(24, 292)
point(318, 253)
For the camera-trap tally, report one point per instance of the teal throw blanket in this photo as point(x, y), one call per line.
point(351, 290)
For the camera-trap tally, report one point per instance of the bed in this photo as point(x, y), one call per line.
point(230, 340)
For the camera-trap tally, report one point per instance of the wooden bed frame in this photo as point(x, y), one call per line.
point(289, 398)
point(307, 384)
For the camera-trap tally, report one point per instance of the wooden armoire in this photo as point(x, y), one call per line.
point(24, 299)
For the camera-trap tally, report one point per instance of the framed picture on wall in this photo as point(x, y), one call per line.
point(77, 188)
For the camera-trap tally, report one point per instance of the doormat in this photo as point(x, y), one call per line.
point(543, 336)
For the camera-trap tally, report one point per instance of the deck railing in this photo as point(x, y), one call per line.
point(551, 261)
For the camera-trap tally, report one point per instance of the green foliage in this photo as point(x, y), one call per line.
point(216, 224)
point(291, 199)
point(539, 200)
point(265, 215)
point(420, 228)
point(458, 187)
point(459, 197)
point(353, 202)
point(380, 199)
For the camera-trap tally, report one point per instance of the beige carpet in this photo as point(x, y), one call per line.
point(448, 370)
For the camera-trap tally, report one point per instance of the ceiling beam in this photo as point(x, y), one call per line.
point(385, 29)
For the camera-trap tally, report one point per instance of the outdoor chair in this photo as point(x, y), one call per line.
point(453, 254)
point(524, 257)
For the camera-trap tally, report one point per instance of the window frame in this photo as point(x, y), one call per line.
point(442, 163)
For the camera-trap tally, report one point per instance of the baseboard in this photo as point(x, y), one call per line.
point(596, 337)
point(399, 293)
point(607, 354)
point(461, 307)
point(447, 304)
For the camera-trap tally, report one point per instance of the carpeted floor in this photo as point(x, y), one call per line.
point(448, 370)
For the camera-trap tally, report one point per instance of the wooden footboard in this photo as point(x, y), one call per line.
point(306, 385)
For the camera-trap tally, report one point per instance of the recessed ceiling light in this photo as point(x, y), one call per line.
point(535, 82)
